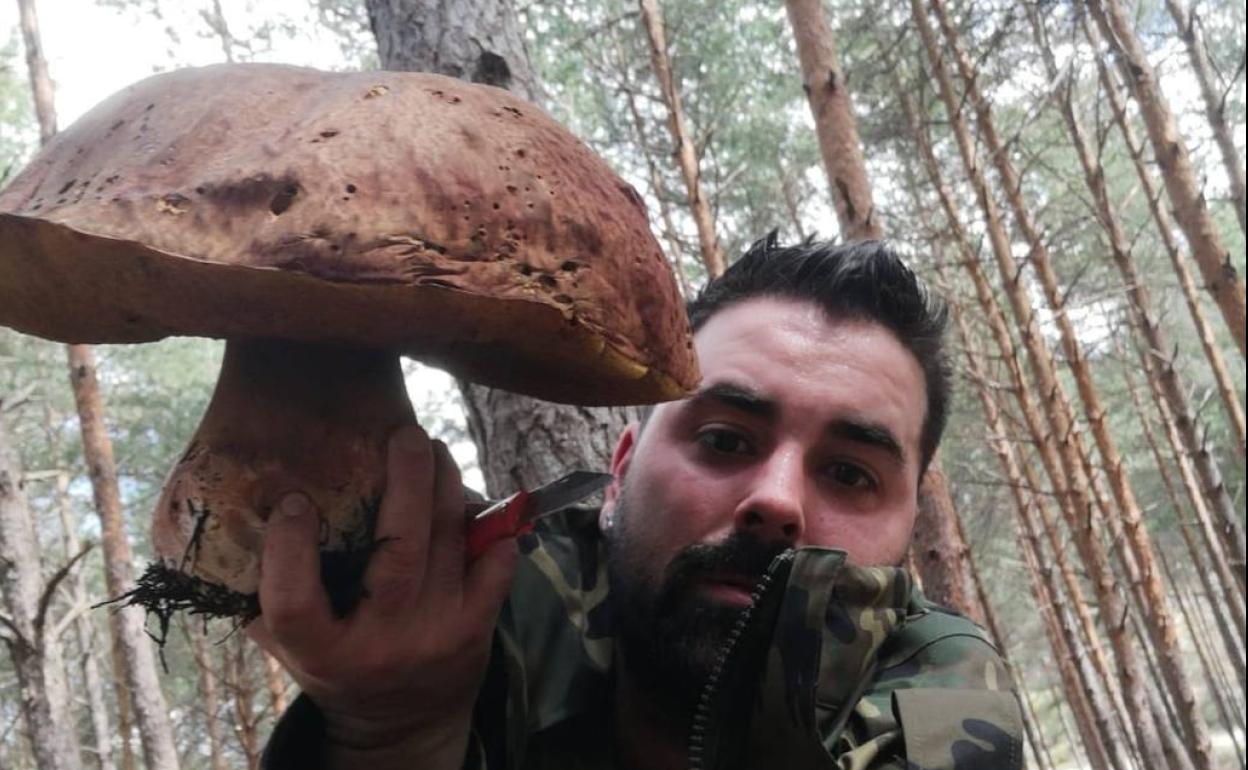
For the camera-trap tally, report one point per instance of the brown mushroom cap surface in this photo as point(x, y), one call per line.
point(449, 221)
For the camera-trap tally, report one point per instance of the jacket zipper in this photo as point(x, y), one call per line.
point(702, 714)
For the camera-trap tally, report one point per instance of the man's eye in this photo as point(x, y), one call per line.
point(850, 475)
point(723, 441)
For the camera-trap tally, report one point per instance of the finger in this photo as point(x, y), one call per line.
point(293, 603)
point(489, 581)
point(445, 573)
point(404, 522)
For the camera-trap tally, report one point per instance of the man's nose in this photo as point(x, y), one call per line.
point(773, 509)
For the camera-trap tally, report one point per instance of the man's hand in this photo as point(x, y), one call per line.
point(397, 678)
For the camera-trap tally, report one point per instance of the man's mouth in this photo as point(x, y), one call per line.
point(728, 587)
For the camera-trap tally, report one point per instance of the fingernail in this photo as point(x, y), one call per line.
point(295, 504)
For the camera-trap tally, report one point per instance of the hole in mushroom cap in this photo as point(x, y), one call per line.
point(283, 200)
point(351, 188)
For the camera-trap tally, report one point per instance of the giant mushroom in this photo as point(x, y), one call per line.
point(324, 224)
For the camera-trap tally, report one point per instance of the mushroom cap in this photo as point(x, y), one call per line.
point(445, 220)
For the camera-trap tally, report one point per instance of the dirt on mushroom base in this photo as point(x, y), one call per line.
point(164, 590)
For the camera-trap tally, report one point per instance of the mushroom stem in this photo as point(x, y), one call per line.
point(285, 417)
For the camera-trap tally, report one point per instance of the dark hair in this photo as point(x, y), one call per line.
point(866, 280)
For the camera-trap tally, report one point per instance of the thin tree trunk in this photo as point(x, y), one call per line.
point(1131, 674)
point(38, 663)
point(1216, 683)
point(275, 682)
point(937, 551)
point(210, 700)
point(1069, 490)
point(1165, 229)
point(826, 89)
point(521, 442)
point(642, 139)
point(1084, 689)
point(1160, 367)
point(1216, 581)
point(1222, 280)
point(242, 691)
point(1215, 105)
point(149, 702)
point(151, 712)
point(1159, 621)
point(686, 153)
point(101, 733)
point(940, 552)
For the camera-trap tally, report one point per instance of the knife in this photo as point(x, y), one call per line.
point(515, 515)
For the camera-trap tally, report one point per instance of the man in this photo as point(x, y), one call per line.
point(737, 602)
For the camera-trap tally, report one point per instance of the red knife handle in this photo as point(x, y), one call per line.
point(508, 518)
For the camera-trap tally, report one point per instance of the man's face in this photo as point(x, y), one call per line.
point(804, 431)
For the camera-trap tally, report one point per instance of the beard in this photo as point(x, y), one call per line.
point(668, 635)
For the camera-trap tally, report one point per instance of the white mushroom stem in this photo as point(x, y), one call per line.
point(284, 417)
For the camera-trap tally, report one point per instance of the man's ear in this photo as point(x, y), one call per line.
point(620, 460)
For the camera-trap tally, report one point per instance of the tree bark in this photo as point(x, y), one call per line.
point(826, 89)
point(149, 702)
point(101, 733)
point(938, 550)
point(1215, 106)
point(275, 683)
point(1165, 229)
point(1222, 280)
point(1088, 687)
point(210, 699)
point(37, 658)
point(1159, 367)
point(241, 693)
point(686, 153)
point(1158, 618)
point(1219, 578)
point(521, 442)
point(1081, 512)
point(150, 710)
point(641, 137)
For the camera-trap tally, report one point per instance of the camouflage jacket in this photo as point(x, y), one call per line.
point(835, 666)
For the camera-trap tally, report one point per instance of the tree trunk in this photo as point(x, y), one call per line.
point(1085, 687)
point(1215, 105)
point(210, 699)
point(828, 93)
point(641, 137)
point(1070, 491)
point(1218, 580)
point(1081, 523)
point(242, 691)
point(686, 153)
point(938, 549)
point(24, 627)
point(1159, 620)
point(150, 711)
point(149, 702)
point(1222, 280)
point(940, 552)
point(275, 683)
point(101, 733)
point(521, 442)
point(1165, 229)
point(1159, 368)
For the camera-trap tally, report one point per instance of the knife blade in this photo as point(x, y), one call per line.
point(515, 515)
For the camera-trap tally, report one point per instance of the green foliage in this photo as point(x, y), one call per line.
point(18, 133)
